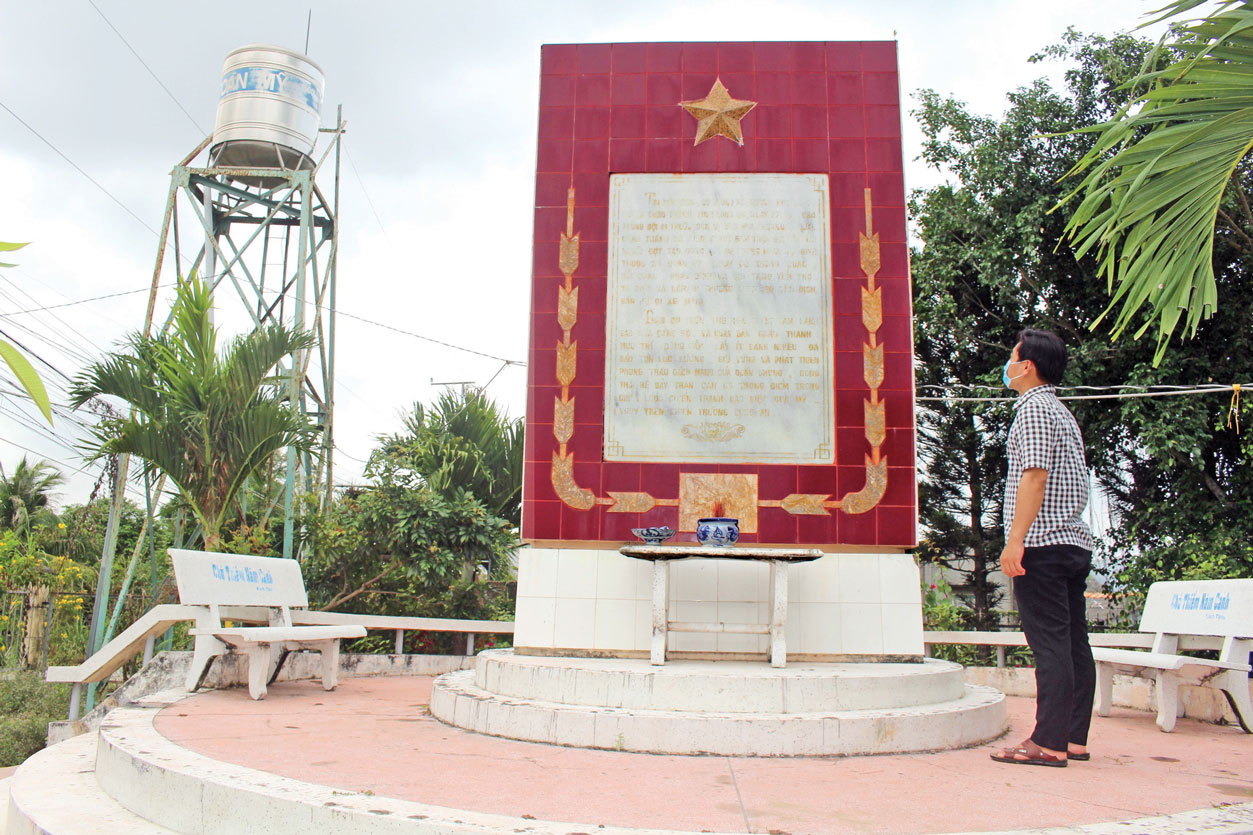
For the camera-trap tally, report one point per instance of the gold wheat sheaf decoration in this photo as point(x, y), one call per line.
point(820, 504)
point(564, 484)
point(872, 362)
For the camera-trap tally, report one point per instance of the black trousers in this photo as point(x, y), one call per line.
point(1051, 605)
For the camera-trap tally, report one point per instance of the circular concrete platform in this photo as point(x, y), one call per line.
point(367, 758)
point(718, 707)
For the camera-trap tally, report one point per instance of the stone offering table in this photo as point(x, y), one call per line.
point(779, 559)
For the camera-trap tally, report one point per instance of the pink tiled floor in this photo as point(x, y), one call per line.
point(376, 734)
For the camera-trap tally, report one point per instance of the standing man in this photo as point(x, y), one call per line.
point(1048, 551)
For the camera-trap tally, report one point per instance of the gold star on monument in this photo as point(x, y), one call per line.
point(718, 114)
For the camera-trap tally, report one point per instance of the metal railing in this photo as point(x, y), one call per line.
point(1002, 640)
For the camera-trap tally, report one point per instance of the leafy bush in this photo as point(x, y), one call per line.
point(27, 705)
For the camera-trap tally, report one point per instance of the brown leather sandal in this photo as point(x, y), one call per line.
point(1025, 755)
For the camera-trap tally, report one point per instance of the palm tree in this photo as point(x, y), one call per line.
point(206, 420)
point(24, 495)
point(462, 442)
point(1169, 168)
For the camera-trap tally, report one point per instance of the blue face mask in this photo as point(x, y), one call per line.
point(1005, 373)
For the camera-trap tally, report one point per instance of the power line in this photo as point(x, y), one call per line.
point(73, 352)
point(64, 329)
point(429, 339)
point(28, 276)
point(340, 450)
point(82, 301)
point(312, 304)
point(29, 352)
point(134, 490)
point(1133, 386)
point(1174, 391)
point(368, 201)
point(76, 167)
point(34, 426)
point(148, 68)
point(339, 384)
point(58, 335)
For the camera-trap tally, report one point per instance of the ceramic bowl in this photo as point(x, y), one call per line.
point(653, 536)
point(718, 531)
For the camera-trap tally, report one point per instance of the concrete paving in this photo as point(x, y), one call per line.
point(376, 735)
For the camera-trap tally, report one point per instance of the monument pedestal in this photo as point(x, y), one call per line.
point(855, 680)
point(726, 708)
point(598, 603)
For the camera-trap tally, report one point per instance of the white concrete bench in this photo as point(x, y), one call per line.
point(209, 581)
point(1221, 608)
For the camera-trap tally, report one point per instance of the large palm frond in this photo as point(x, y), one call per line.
point(1155, 180)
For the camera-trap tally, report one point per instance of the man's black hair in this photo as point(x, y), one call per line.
point(1046, 350)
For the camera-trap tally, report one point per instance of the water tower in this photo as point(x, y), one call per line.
point(260, 225)
point(256, 225)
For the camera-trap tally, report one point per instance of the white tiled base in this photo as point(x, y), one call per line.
point(599, 600)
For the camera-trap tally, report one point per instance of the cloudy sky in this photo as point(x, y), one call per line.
point(100, 98)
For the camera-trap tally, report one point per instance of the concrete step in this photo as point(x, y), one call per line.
point(977, 716)
point(718, 686)
point(191, 793)
point(55, 792)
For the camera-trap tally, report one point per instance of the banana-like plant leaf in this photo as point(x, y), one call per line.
point(9, 247)
point(26, 376)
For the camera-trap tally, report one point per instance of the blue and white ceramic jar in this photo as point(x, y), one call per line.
point(718, 531)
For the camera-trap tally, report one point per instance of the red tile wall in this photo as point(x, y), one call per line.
point(831, 108)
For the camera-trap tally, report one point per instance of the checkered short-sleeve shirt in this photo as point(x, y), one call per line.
point(1044, 435)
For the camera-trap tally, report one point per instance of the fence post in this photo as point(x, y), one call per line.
point(52, 601)
point(400, 642)
point(1000, 657)
point(148, 646)
point(76, 693)
point(926, 650)
point(470, 636)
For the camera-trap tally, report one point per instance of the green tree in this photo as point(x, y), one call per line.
point(20, 366)
point(208, 420)
point(989, 267)
point(26, 494)
point(464, 443)
point(993, 260)
point(1167, 176)
point(400, 549)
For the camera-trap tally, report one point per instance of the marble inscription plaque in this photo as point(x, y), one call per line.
point(718, 319)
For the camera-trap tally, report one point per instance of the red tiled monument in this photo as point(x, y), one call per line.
point(720, 318)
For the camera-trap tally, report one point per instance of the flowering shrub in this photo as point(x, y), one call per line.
point(43, 614)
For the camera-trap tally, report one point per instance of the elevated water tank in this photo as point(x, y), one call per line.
point(269, 110)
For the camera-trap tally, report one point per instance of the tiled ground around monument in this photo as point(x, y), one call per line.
point(376, 734)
